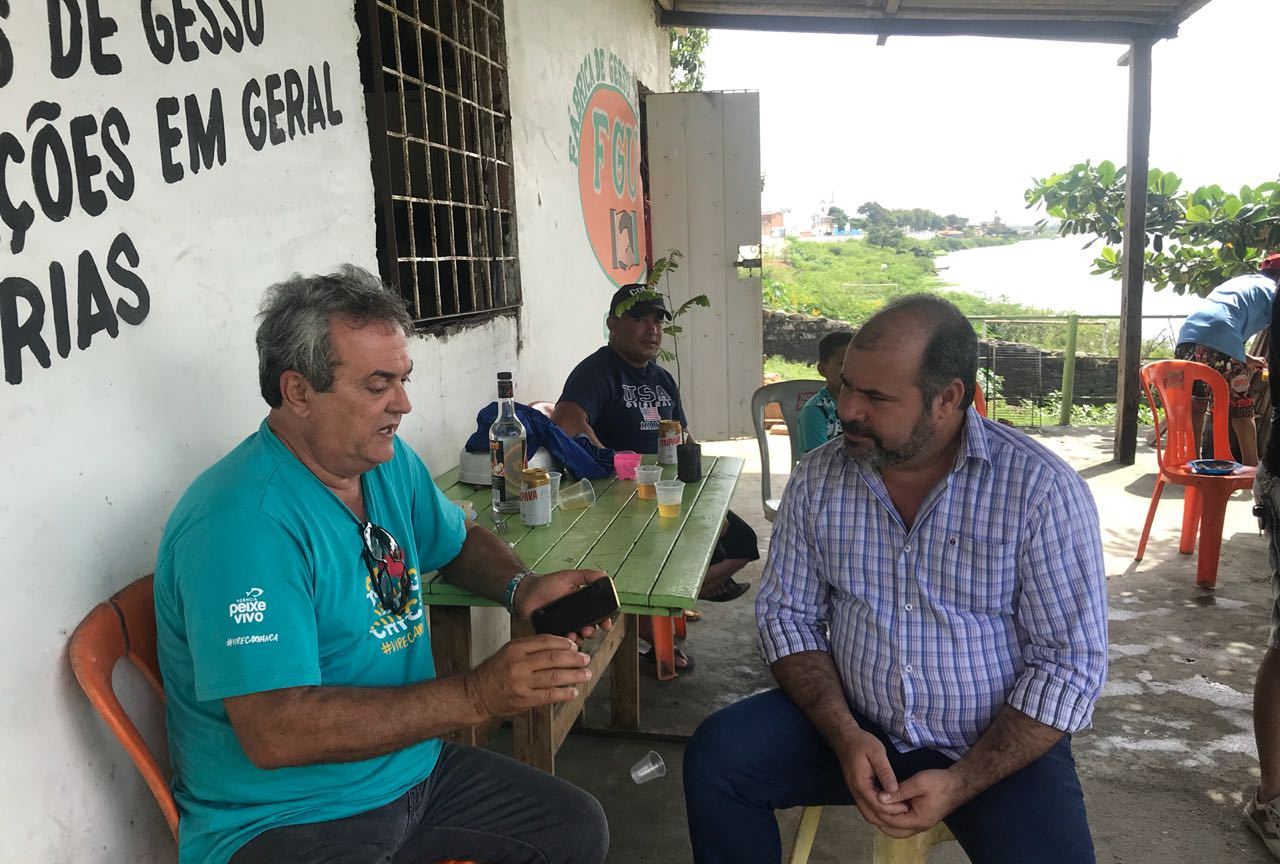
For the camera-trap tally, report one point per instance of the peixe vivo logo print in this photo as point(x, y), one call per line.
point(249, 609)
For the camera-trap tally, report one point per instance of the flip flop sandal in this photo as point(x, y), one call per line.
point(730, 590)
point(650, 657)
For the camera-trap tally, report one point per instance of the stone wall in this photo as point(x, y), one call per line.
point(1028, 371)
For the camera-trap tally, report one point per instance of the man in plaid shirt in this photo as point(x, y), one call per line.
point(934, 612)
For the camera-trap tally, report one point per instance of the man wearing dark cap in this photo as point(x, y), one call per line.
point(1215, 335)
point(618, 395)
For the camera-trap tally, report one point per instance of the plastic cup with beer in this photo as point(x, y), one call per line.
point(670, 494)
point(646, 477)
point(579, 496)
point(624, 464)
point(554, 477)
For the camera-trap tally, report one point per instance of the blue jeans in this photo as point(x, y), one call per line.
point(762, 754)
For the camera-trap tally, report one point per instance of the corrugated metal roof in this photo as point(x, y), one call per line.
point(1093, 20)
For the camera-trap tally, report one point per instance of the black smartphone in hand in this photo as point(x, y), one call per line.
point(589, 605)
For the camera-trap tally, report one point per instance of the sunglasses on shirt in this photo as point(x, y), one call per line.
point(385, 560)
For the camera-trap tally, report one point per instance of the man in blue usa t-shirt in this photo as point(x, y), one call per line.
point(618, 395)
point(304, 712)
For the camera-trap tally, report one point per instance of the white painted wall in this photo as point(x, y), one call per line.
point(98, 447)
point(546, 43)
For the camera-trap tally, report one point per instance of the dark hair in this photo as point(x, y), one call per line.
point(293, 324)
point(951, 351)
point(833, 342)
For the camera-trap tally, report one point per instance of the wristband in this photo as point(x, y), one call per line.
point(512, 586)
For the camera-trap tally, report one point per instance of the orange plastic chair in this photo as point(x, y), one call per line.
point(979, 400)
point(1204, 506)
point(125, 626)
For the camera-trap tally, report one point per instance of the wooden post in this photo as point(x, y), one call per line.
point(625, 691)
point(1069, 371)
point(451, 647)
point(1125, 446)
point(531, 731)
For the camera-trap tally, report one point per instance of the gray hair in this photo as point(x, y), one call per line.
point(293, 324)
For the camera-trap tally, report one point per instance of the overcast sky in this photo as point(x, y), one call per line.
point(961, 125)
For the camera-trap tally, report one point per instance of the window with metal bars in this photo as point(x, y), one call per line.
point(435, 82)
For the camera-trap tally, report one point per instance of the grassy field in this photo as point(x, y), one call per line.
point(789, 371)
point(852, 279)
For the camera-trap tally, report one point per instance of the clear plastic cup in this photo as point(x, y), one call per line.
point(625, 463)
point(670, 494)
point(468, 509)
point(579, 496)
point(646, 476)
point(651, 767)
point(554, 477)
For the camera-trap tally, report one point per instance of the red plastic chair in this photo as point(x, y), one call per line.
point(979, 400)
point(125, 626)
point(1204, 506)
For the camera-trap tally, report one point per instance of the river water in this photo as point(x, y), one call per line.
point(1054, 274)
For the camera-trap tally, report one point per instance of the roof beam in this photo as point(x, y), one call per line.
point(1074, 31)
point(891, 6)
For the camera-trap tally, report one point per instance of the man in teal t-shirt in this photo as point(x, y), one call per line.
point(304, 712)
point(818, 420)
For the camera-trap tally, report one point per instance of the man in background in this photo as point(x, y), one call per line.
point(618, 395)
point(1215, 335)
point(1262, 807)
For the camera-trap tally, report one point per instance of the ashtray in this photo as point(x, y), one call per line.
point(1213, 466)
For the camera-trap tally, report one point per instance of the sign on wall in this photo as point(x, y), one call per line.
point(604, 143)
point(58, 161)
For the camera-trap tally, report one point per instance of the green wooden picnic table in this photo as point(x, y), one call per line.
point(656, 563)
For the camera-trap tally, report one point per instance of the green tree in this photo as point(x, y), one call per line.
point(875, 214)
point(838, 217)
point(687, 66)
point(1194, 240)
point(951, 220)
point(888, 236)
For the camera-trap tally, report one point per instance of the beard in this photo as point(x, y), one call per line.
point(875, 453)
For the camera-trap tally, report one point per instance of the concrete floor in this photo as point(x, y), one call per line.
point(1171, 751)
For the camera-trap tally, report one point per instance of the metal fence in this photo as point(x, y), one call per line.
point(1046, 369)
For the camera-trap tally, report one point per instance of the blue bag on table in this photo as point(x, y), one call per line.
point(579, 456)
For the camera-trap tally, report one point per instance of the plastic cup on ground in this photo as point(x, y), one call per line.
point(554, 477)
point(670, 494)
point(625, 463)
point(579, 496)
point(646, 477)
point(651, 767)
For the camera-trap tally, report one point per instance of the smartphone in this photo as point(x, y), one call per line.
point(589, 605)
